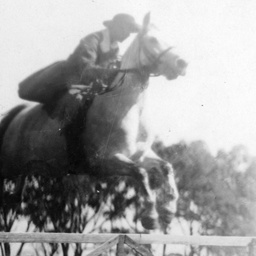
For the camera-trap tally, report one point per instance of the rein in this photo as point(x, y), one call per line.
point(148, 68)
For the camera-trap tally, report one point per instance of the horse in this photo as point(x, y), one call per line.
point(116, 138)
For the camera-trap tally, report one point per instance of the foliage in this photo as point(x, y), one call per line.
point(10, 214)
point(218, 194)
point(217, 197)
point(78, 204)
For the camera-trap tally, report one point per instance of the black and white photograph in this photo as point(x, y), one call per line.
point(128, 128)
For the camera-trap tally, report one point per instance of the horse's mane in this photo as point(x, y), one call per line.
point(130, 58)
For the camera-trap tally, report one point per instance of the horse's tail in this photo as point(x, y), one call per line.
point(6, 120)
point(4, 124)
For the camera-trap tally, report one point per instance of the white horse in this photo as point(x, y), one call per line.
point(116, 139)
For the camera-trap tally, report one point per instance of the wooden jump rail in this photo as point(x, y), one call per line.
point(134, 241)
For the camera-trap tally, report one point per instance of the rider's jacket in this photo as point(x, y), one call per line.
point(94, 49)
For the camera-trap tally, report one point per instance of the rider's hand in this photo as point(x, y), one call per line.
point(78, 90)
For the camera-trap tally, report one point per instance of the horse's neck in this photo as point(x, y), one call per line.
point(131, 81)
point(134, 79)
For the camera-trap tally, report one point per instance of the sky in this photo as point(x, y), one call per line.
point(214, 102)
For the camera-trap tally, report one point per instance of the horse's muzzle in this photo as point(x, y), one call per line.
point(181, 66)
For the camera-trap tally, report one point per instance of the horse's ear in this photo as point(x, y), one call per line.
point(146, 22)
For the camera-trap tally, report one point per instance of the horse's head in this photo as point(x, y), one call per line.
point(155, 55)
point(163, 186)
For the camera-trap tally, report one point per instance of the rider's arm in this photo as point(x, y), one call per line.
point(86, 57)
point(86, 53)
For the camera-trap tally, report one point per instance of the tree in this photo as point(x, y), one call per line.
point(77, 204)
point(217, 194)
point(10, 213)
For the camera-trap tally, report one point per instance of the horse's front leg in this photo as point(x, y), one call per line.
point(120, 165)
point(162, 182)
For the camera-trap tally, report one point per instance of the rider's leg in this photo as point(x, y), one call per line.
point(44, 85)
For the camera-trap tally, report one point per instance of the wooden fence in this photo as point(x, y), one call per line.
point(134, 241)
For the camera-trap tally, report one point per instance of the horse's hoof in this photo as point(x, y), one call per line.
point(149, 218)
point(149, 222)
point(165, 216)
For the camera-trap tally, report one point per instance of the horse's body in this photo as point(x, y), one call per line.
point(116, 137)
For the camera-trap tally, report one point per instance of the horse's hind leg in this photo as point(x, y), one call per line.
point(120, 165)
point(4, 124)
point(16, 196)
point(13, 196)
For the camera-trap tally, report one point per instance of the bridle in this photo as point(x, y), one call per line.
point(146, 69)
point(156, 60)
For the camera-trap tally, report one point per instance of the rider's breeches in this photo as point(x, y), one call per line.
point(46, 84)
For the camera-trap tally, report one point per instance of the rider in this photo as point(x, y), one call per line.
point(96, 50)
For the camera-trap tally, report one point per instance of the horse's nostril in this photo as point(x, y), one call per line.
point(181, 64)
